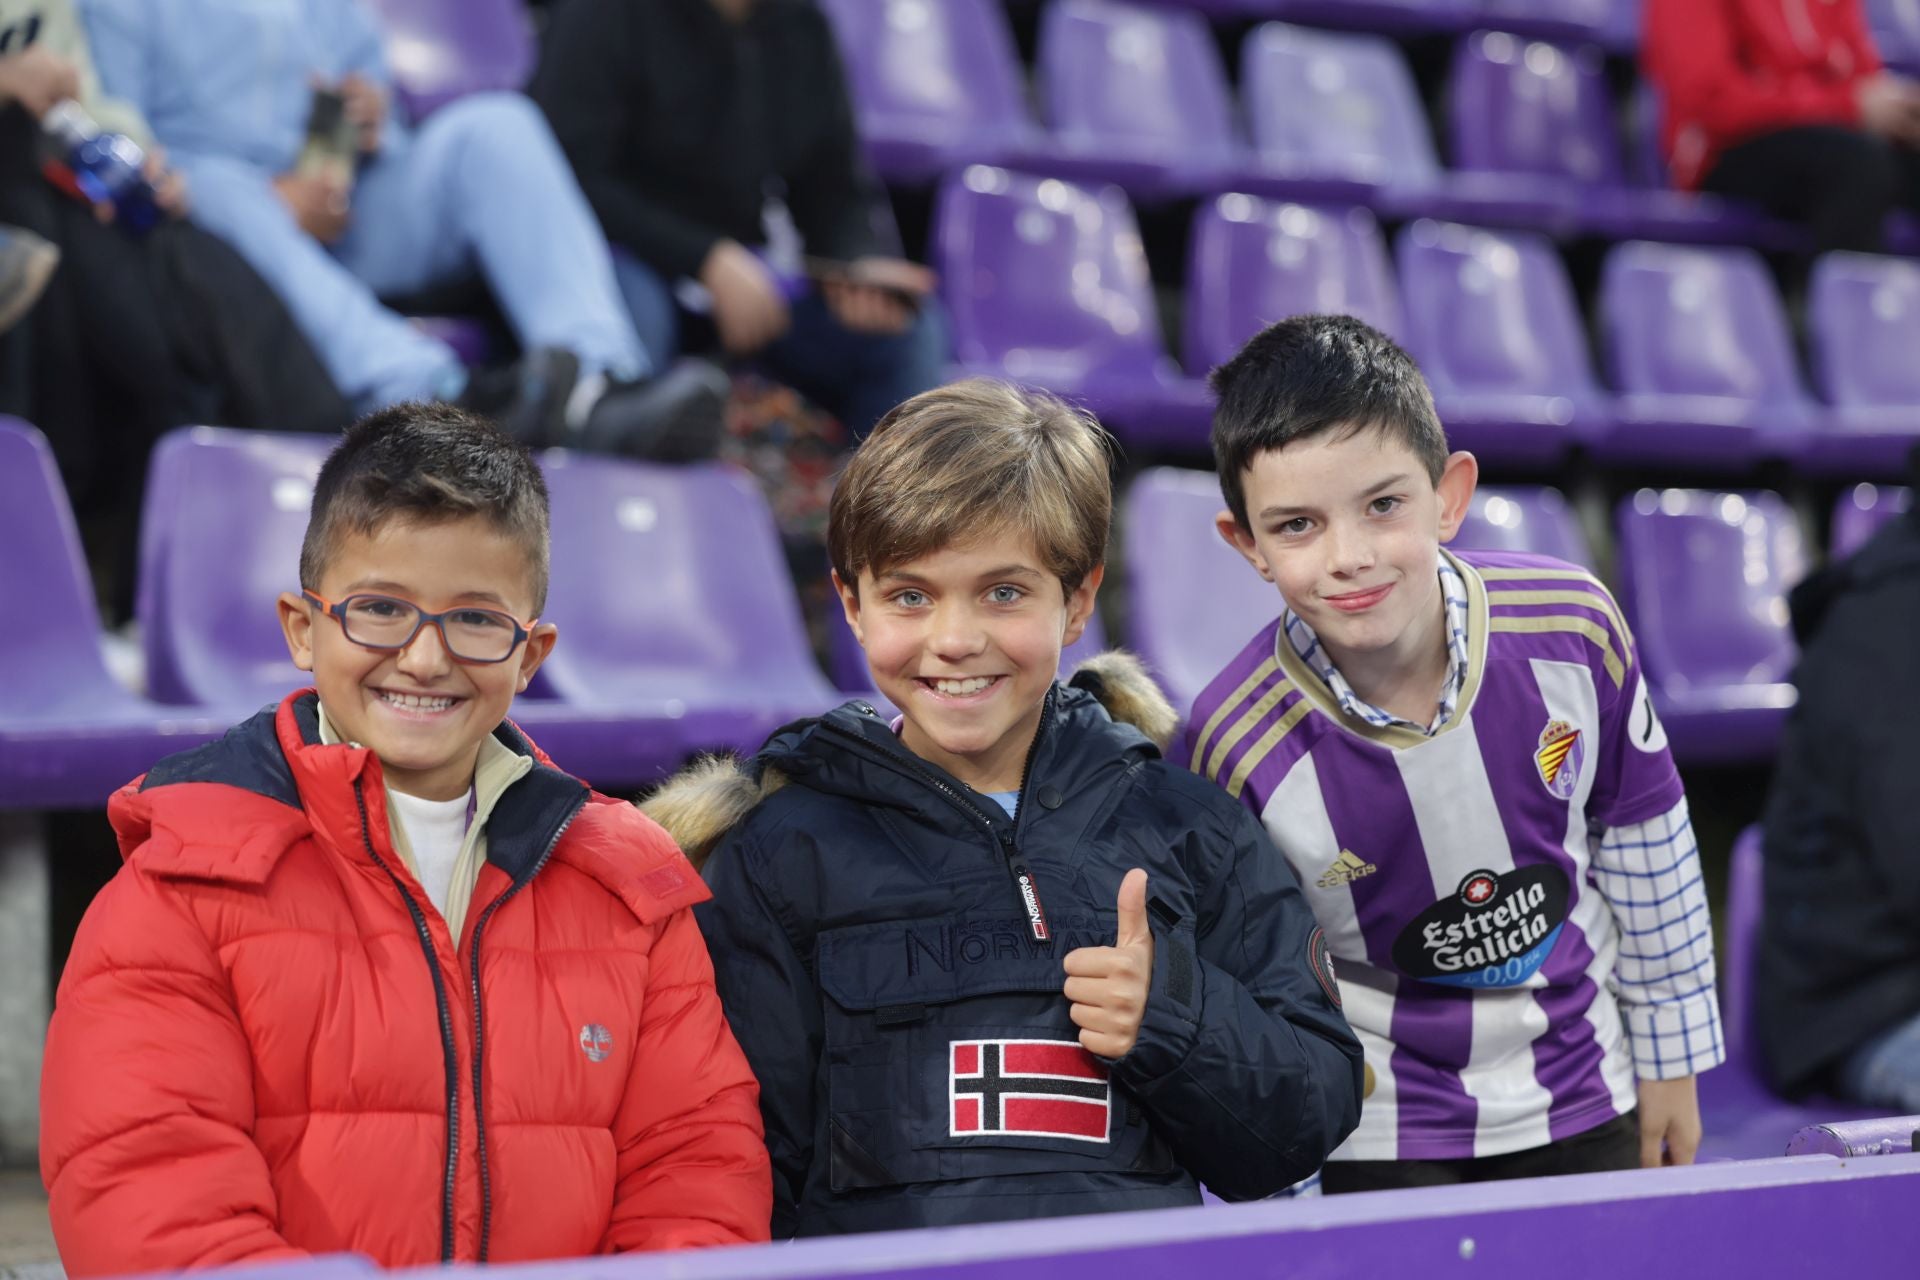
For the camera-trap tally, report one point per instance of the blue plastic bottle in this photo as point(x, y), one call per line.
point(101, 166)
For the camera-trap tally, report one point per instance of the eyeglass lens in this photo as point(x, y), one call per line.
point(385, 623)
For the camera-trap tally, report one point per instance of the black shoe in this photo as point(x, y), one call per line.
point(528, 398)
point(679, 416)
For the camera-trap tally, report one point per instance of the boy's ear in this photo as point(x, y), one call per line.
point(849, 603)
point(1240, 538)
point(538, 646)
point(296, 624)
point(1458, 479)
point(1080, 603)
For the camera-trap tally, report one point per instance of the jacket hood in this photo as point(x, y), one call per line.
point(1892, 553)
point(1110, 695)
point(229, 810)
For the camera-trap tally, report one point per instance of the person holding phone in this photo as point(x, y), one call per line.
point(686, 121)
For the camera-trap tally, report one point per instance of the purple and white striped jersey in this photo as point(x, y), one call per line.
point(1451, 870)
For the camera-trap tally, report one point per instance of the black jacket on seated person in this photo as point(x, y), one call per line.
point(918, 1066)
point(1840, 947)
point(680, 123)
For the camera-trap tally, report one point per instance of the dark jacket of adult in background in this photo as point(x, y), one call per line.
point(680, 123)
point(1840, 951)
point(866, 928)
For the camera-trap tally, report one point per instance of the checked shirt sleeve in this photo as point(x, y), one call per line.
point(1649, 872)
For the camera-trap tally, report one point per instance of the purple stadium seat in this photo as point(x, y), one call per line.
point(676, 610)
point(1860, 511)
point(1574, 21)
point(1328, 109)
point(1864, 314)
point(1541, 117)
point(1523, 518)
point(1192, 602)
point(936, 84)
point(1703, 578)
point(1702, 365)
point(69, 735)
point(219, 541)
point(1896, 32)
point(1253, 262)
point(1137, 96)
point(1741, 1117)
point(1395, 16)
point(1614, 25)
point(440, 50)
point(1492, 321)
point(1046, 284)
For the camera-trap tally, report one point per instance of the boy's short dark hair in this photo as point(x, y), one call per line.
point(1313, 374)
point(968, 460)
point(427, 463)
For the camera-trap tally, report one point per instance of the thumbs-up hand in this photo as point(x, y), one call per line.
point(1108, 985)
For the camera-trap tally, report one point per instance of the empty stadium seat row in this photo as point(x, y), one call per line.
point(1046, 283)
point(1138, 96)
point(682, 629)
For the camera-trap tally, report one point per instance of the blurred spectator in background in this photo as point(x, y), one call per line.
point(692, 124)
point(141, 327)
point(239, 91)
point(1839, 979)
point(1784, 103)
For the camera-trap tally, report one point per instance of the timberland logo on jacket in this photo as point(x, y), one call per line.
point(1029, 1088)
point(596, 1042)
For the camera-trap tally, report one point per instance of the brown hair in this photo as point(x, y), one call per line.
point(969, 460)
point(427, 463)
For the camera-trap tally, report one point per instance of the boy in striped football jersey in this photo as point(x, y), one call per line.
point(1457, 754)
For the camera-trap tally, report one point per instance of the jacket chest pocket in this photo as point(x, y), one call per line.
point(950, 1054)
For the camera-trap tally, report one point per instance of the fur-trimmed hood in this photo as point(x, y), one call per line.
point(699, 805)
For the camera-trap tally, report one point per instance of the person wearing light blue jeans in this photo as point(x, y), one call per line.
point(859, 376)
point(478, 186)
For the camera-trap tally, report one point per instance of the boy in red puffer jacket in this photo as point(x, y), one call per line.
point(378, 977)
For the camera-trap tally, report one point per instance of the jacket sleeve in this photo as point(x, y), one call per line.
point(775, 1009)
point(1688, 49)
point(146, 1098)
point(1855, 669)
point(1244, 1059)
point(116, 78)
point(585, 85)
point(692, 1167)
point(833, 195)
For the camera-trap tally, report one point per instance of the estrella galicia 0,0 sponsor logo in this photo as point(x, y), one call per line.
point(1495, 930)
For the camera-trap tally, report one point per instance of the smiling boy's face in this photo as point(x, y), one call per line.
point(1348, 526)
point(966, 641)
point(423, 714)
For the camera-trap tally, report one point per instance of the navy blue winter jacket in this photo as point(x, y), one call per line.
point(879, 964)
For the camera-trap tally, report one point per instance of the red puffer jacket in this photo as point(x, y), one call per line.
point(265, 1042)
point(1730, 70)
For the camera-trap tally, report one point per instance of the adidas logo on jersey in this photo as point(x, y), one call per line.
point(1344, 869)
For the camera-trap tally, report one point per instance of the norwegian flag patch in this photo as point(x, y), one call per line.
point(1027, 1088)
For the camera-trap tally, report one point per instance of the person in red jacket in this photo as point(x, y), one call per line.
point(376, 976)
point(1785, 103)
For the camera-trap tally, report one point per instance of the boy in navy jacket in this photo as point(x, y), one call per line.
point(996, 958)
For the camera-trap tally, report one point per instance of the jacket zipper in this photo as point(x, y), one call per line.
point(449, 1053)
point(480, 1035)
point(1005, 841)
